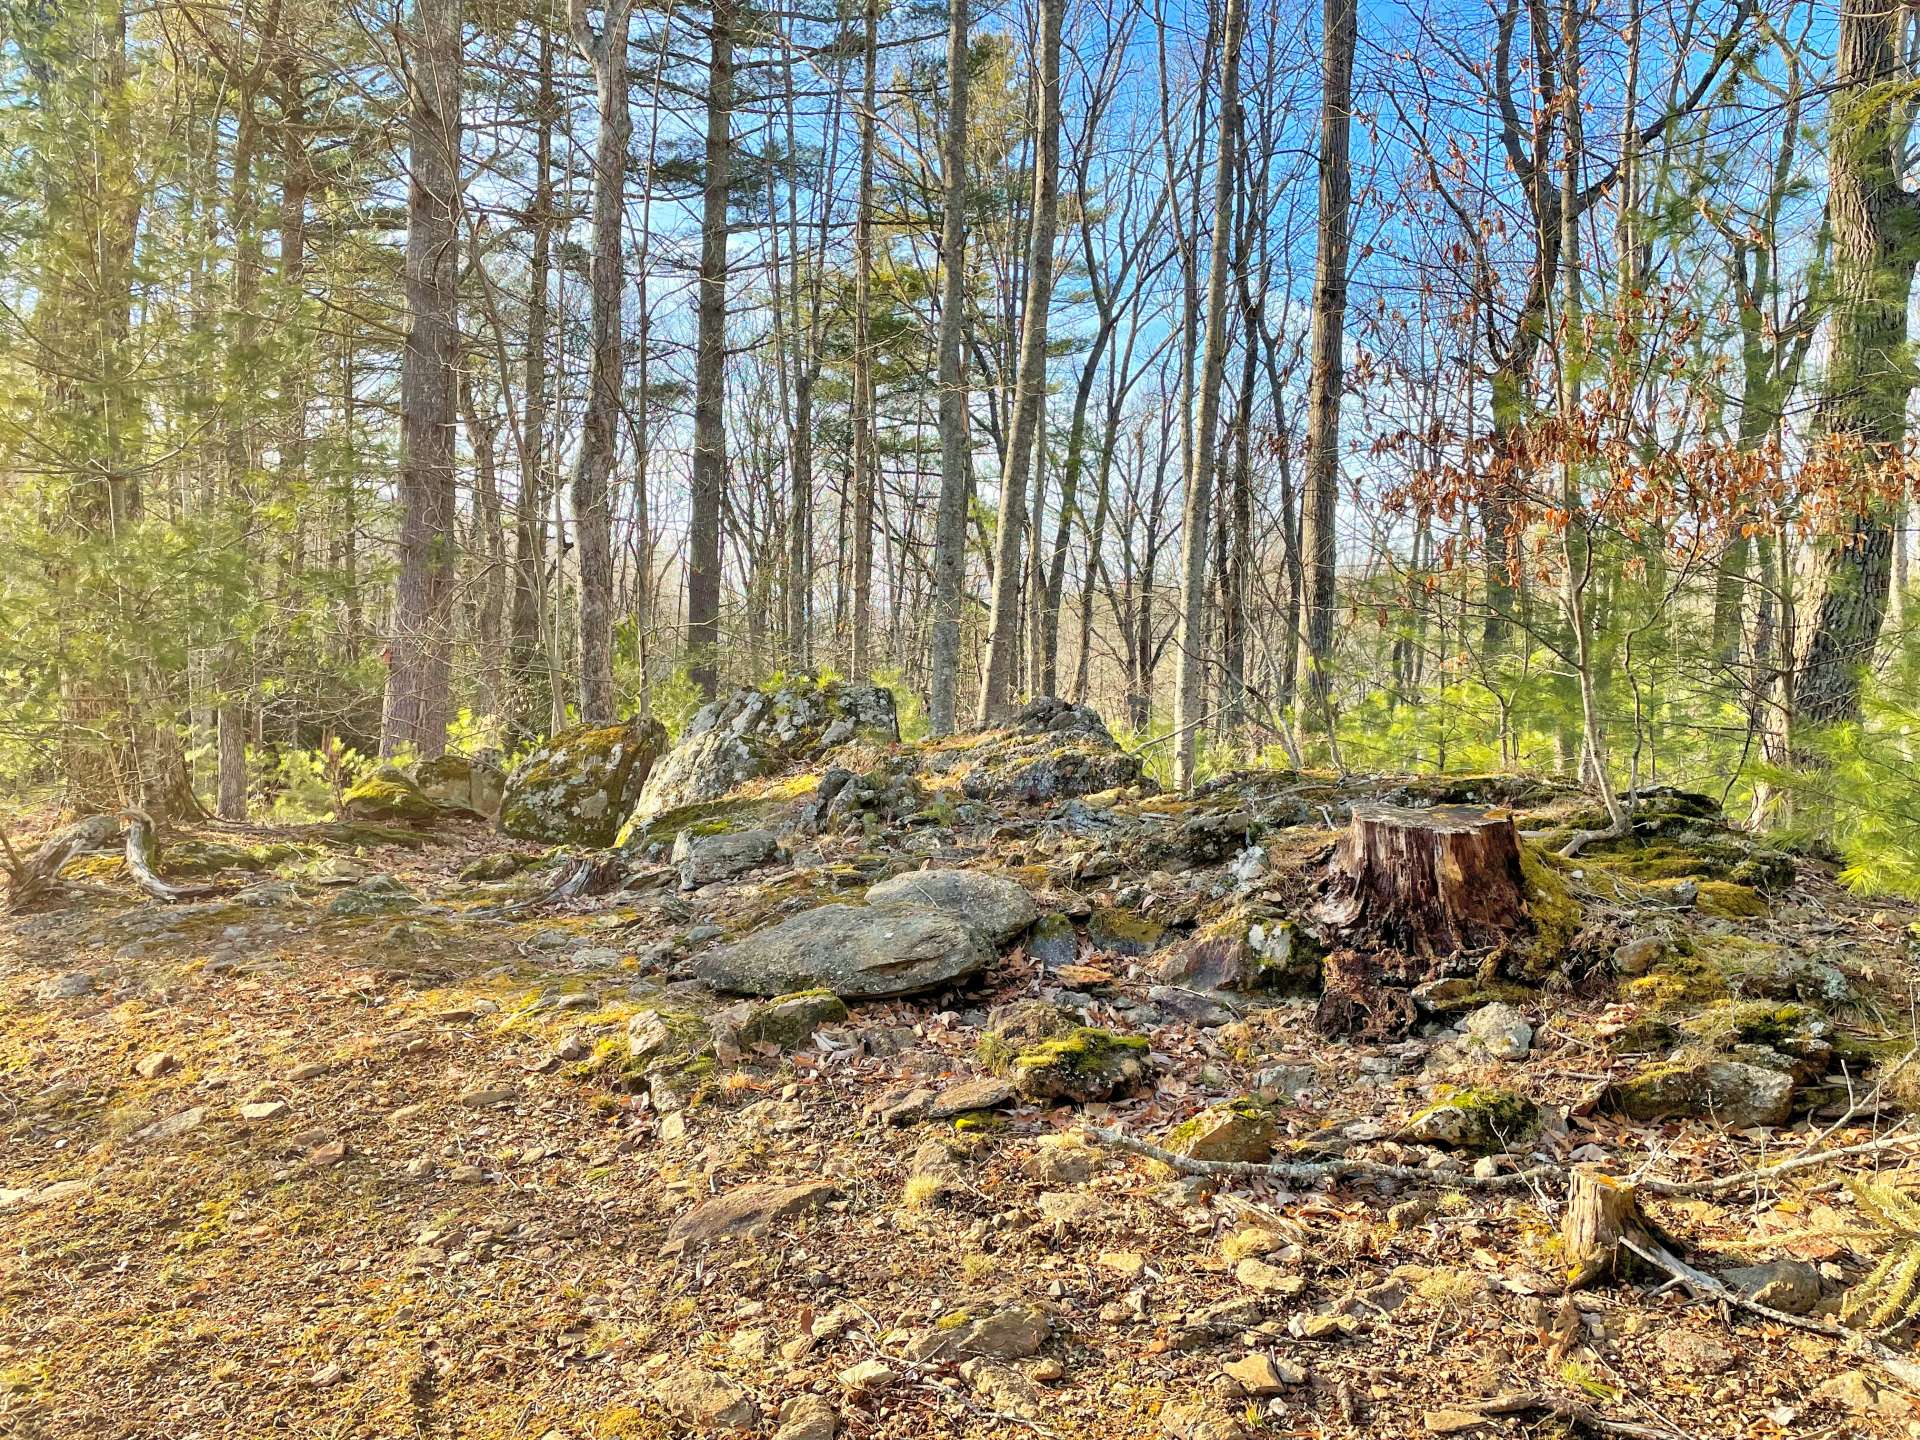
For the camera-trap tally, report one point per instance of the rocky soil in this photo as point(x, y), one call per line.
point(777, 1119)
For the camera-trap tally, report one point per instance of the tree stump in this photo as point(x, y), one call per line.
point(1602, 1213)
point(1427, 884)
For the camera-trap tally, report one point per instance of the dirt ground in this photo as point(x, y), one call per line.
point(271, 1170)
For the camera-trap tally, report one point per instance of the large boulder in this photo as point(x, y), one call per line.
point(388, 794)
point(1051, 751)
point(578, 787)
point(1696, 1084)
point(751, 733)
point(998, 908)
point(459, 782)
point(856, 951)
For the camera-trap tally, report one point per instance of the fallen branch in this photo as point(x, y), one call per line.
point(1307, 1172)
point(1760, 1175)
point(38, 875)
point(140, 856)
point(1707, 1287)
point(1572, 1411)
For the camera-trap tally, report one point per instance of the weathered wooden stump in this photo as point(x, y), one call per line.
point(1603, 1215)
point(1426, 883)
point(1406, 894)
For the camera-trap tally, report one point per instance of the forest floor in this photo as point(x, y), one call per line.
point(271, 1169)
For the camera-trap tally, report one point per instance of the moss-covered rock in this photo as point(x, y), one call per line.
point(786, 1021)
point(1481, 1121)
point(577, 788)
point(1081, 1066)
point(1697, 1084)
point(503, 866)
point(1053, 941)
point(1551, 906)
point(460, 782)
point(1242, 1130)
point(1250, 948)
point(1051, 751)
point(388, 793)
point(755, 733)
point(376, 895)
point(1124, 932)
point(191, 859)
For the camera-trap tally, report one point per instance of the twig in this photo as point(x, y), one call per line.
point(1571, 1411)
point(1763, 1173)
point(1300, 1172)
point(1707, 1286)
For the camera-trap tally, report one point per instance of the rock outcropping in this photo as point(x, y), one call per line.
point(576, 788)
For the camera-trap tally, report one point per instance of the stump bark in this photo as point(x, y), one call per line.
point(1428, 884)
point(1602, 1214)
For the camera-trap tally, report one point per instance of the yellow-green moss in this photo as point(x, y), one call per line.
point(1551, 906)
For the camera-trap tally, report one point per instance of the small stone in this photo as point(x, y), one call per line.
point(329, 1374)
point(173, 1126)
point(1243, 1131)
point(1128, 1264)
point(1261, 1375)
point(1500, 1032)
point(807, 1417)
point(1257, 1275)
point(487, 1099)
point(307, 1070)
point(706, 1399)
point(333, 1152)
point(1409, 1213)
point(1449, 1420)
point(1637, 957)
point(1012, 1333)
point(258, 1110)
point(746, 1210)
point(986, 1093)
point(574, 1046)
point(868, 1377)
point(1791, 1286)
point(1860, 1393)
point(160, 1062)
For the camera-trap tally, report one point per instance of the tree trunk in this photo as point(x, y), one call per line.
point(956, 467)
point(419, 670)
point(860, 640)
point(1003, 632)
point(1190, 653)
point(1320, 497)
point(593, 462)
point(710, 375)
point(526, 631)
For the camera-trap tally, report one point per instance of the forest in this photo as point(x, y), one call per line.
point(1176, 718)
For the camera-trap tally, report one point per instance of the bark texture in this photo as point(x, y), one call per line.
point(422, 645)
point(956, 462)
point(710, 360)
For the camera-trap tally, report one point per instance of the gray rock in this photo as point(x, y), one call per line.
point(752, 733)
point(1696, 1085)
point(73, 985)
point(1499, 1031)
point(1191, 1006)
point(1789, 1285)
point(458, 782)
point(173, 1126)
point(855, 951)
point(705, 1399)
point(577, 787)
point(997, 907)
point(707, 859)
point(746, 1211)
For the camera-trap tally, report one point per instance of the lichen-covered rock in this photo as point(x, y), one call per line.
point(577, 787)
point(1051, 751)
point(1499, 1031)
point(1081, 1066)
point(376, 895)
point(1124, 932)
point(995, 906)
point(856, 951)
point(708, 859)
point(1696, 1084)
point(786, 1021)
point(459, 782)
point(1248, 949)
point(752, 733)
point(1239, 1130)
point(1481, 1121)
point(388, 793)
